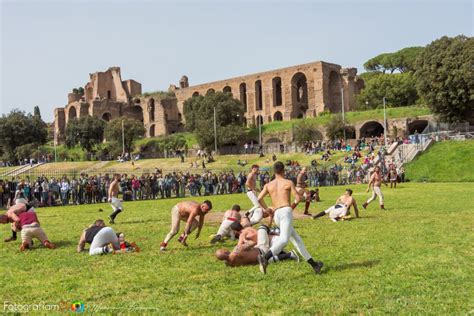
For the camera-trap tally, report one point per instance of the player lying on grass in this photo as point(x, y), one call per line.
point(251, 244)
point(18, 207)
point(187, 212)
point(341, 209)
point(254, 216)
point(104, 240)
point(231, 216)
point(28, 223)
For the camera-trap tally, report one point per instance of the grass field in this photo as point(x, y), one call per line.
point(414, 258)
point(444, 162)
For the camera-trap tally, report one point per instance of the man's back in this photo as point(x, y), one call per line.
point(280, 192)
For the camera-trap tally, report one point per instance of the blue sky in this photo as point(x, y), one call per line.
point(50, 47)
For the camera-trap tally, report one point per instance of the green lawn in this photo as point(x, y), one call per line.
point(444, 162)
point(414, 258)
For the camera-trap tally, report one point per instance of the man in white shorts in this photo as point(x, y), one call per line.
point(375, 181)
point(252, 192)
point(113, 198)
point(340, 210)
point(103, 240)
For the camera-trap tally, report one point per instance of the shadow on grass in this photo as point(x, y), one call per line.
point(354, 265)
point(63, 243)
point(138, 222)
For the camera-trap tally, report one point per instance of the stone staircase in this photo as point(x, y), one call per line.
point(407, 152)
point(20, 170)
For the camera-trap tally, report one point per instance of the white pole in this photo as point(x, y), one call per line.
point(384, 122)
point(343, 116)
point(215, 132)
point(123, 141)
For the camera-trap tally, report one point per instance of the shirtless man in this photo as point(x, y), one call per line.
point(13, 212)
point(280, 191)
point(392, 174)
point(375, 181)
point(230, 217)
point(302, 190)
point(341, 209)
point(252, 191)
point(113, 198)
point(254, 216)
point(187, 212)
point(250, 246)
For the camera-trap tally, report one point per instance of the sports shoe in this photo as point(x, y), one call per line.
point(109, 248)
point(365, 205)
point(263, 263)
point(163, 246)
point(317, 266)
point(216, 239)
point(24, 246)
point(11, 238)
point(382, 207)
point(111, 220)
point(134, 247)
point(294, 256)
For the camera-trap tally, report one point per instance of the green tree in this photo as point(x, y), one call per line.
point(401, 61)
point(335, 127)
point(133, 130)
point(445, 77)
point(199, 114)
point(399, 89)
point(305, 131)
point(18, 128)
point(36, 112)
point(87, 132)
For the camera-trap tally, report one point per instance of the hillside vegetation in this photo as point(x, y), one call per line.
point(451, 161)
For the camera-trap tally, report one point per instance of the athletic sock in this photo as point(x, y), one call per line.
point(319, 214)
point(284, 256)
point(115, 213)
point(311, 261)
point(268, 255)
point(14, 234)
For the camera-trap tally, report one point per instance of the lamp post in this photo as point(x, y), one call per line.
point(123, 141)
point(215, 132)
point(384, 122)
point(343, 116)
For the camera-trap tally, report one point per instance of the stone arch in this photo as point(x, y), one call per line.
point(335, 96)
point(227, 89)
point(299, 94)
point(371, 129)
point(152, 130)
point(72, 113)
point(107, 116)
point(195, 94)
point(243, 95)
point(417, 126)
point(259, 120)
point(277, 93)
point(210, 91)
point(137, 101)
point(151, 109)
point(258, 95)
point(278, 116)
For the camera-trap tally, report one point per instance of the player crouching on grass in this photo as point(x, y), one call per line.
point(340, 211)
point(251, 244)
point(29, 225)
point(104, 240)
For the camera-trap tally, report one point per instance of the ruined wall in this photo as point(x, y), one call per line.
point(283, 94)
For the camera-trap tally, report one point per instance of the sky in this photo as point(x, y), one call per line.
point(50, 47)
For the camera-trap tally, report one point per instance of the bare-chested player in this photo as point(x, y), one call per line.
point(187, 212)
point(251, 244)
point(375, 181)
point(252, 192)
point(280, 191)
point(113, 198)
point(341, 209)
point(250, 219)
point(230, 216)
point(301, 185)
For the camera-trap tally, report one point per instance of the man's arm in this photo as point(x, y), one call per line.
point(189, 222)
point(370, 182)
point(262, 196)
point(295, 193)
point(356, 209)
point(82, 242)
point(201, 223)
point(109, 194)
